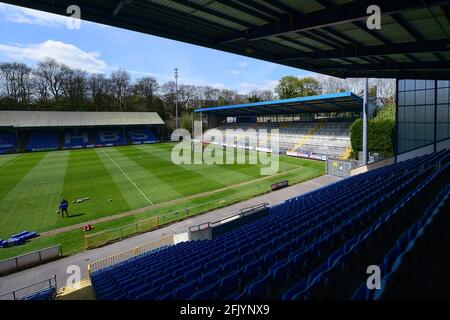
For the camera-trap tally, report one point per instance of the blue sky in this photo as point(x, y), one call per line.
point(29, 36)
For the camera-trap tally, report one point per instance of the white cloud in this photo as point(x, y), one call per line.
point(28, 16)
point(236, 72)
point(66, 53)
point(246, 87)
point(243, 64)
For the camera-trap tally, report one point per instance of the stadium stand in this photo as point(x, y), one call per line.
point(47, 294)
point(76, 138)
point(320, 138)
point(315, 246)
point(46, 130)
point(107, 137)
point(141, 135)
point(42, 140)
point(8, 141)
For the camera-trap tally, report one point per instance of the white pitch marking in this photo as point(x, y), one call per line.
point(10, 162)
point(124, 173)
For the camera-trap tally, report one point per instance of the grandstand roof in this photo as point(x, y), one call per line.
point(325, 36)
point(40, 119)
point(338, 102)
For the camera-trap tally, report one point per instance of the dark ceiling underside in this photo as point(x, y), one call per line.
point(324, 36)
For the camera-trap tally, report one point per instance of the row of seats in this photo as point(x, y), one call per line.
point(47, 294)
point(330, 139)
point(8, 141)
point(40, 140)
point(305, 248)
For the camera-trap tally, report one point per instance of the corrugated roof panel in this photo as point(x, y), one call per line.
point(315, 43)
point(41, 119)
point(306, 6)
point(236, 13)
point(289, 44)
point(357, 34)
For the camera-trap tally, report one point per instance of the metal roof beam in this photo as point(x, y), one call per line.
point(261, 8)
point(391, 66)
point(246, 10)
point(211, 12)
point(333, 15)
point(364, 51)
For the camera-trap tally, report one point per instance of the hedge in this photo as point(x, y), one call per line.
point(381, 136)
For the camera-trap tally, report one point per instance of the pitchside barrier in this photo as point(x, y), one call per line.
point(119, 257)
point(31, 289)
point(105, 237)
point(29, 260)
point(102, 238)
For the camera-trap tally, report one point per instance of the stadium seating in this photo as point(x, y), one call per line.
point(108, 137)
point(76, 138)
point(315, 246)
point(306, 139)
point(8, 141)
point(47, 294)
point(42, 140)
point(141, 135)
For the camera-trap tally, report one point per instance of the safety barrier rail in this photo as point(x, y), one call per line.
point(122, 256)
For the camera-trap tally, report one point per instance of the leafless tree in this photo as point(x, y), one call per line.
point(99, 88)
point(16, 81)
point(53, 73)
point(75, 88)
point(331, 84)
point(147, 87)
point(120, 86)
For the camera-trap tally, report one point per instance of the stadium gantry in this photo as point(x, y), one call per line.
point(320, 244)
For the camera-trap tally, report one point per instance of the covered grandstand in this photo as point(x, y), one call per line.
point(316, 127)
point(45, 130)
point(319, 245)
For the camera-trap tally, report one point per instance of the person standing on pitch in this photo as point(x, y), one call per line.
point(63, 207)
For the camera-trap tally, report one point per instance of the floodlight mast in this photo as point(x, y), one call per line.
point(177, 123)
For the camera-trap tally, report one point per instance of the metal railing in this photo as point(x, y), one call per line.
point(125, 255)
point(242, 213)
point(105, 237)
point(13, 295)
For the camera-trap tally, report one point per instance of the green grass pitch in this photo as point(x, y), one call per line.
point(32, 184)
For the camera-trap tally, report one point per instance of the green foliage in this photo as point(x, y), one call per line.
point(386, 113)
point(381, 136)
point(292, 87)
point(186, 121)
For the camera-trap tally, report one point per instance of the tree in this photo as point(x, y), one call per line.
point(147, 87)
point(385, 90)
point(75, 88)
point(292, 87)
point(53, 74)
point(332, 84)
point(120, 88)
point(99, 88)
point(257, 96)
point(288, 87)
point(309, 86)
point(17, 82)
